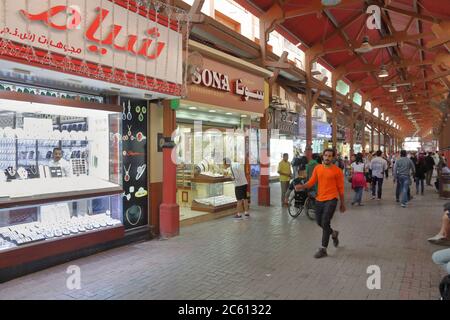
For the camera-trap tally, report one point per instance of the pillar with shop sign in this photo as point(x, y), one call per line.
point(169, 210)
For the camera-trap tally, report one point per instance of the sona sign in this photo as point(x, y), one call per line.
point(97, 31)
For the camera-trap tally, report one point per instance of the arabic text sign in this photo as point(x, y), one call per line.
point(220, 81)
point(97, 31)
point(222, 85)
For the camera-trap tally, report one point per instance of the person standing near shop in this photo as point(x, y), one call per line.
point(240, 188)
point(330, 181)
point(285, 172)
point(58, 161)
point(315, 160)
point(429, 163)
point(420, 174)
point(402, 174)
point(358, 170)
point(378, 166)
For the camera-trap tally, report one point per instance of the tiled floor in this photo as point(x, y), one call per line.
point(269, 256)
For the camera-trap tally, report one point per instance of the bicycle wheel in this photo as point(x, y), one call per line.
point(310, 210)
point(294, 211)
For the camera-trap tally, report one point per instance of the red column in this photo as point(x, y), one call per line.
point(264, 160)
point(169, 210)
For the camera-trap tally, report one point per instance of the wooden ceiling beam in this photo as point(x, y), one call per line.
point(412, 14)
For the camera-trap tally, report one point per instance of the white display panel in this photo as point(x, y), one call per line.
point(277, 148)
point(89, 141)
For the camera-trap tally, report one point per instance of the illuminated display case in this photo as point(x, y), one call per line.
point(28, 225)
point(203, 185)
point(60, 177)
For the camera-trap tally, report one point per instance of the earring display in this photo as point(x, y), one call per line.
point(79, 166)
point(129, 115)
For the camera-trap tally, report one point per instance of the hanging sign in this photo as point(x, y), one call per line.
point(113, 35)
point(221, 82)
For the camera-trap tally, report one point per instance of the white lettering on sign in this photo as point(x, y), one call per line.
point(219, 81)
point(212, 79)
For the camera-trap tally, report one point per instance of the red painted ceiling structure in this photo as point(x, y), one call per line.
point(417, 58)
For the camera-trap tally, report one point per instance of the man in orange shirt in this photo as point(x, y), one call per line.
point(330, 186)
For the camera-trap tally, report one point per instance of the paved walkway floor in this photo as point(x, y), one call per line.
point(269, 256)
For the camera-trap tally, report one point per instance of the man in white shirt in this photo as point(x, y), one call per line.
point(378, 166)
point(240, 188)
point(58, 161)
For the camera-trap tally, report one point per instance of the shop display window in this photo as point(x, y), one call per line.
point(203, 184)
point(27, 225)
point(277, 148)
point(49, 151)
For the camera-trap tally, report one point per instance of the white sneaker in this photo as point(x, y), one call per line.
point(436, 238)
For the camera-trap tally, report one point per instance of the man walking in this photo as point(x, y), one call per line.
point(240, 188)
point(402, 174)
point(330, 186)
point(378, 166)
point(429, 163)
point(284, 170)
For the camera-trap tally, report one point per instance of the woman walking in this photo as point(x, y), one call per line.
point(420, 174)
point(358, 179)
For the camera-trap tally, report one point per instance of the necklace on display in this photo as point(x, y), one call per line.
point(127, 173)
point(129, 131)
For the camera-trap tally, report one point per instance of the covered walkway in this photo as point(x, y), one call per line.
point(269, 256)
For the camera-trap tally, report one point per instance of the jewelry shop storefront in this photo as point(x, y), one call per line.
point(283, 127)
point(321, 135)
point(224, 95)
point(75, 85)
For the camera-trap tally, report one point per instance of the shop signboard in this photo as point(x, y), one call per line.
point(222, 85)
point(320, 129)
point(103, 39)
point(283, 121)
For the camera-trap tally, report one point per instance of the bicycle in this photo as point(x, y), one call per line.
point(297, 204)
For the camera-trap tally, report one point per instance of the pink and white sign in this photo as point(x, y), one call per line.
point(108, 33)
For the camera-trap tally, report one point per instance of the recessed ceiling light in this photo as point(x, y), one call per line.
point(229, 113)
point(212, 111)
point(243, 116)
point(192, 108)
point(383, 72)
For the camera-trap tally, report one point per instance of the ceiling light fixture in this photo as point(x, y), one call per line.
point(383, 72)
point(393, 88)
point(399, 99)
point(192, 108)
point(243, 116)
point(212, 111)
point(365, 45)
point(228, 113)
